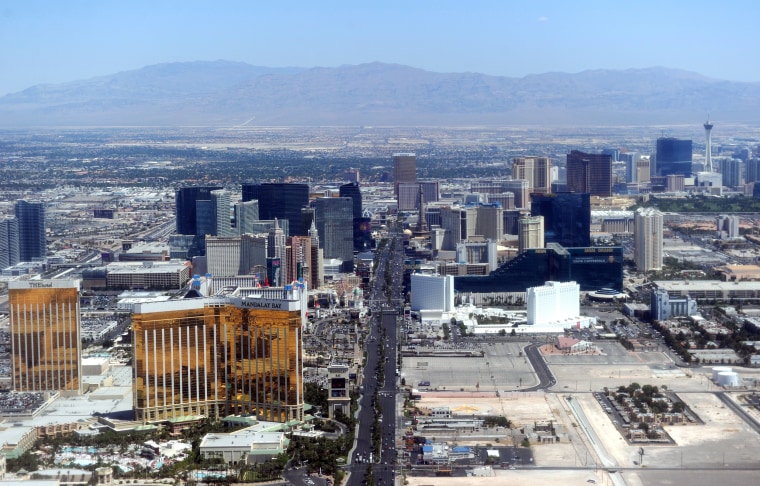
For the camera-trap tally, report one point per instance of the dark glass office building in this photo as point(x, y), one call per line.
point(281, 201)
point(673, 157)
point(567, 217)
point(590, 173)
point(186, 199)
point(31, 230)
point(593, 268)
point(362, 226)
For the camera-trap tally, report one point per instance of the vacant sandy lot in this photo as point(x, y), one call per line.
point(534, 477)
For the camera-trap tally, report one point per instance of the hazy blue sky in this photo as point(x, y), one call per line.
point(64, 40)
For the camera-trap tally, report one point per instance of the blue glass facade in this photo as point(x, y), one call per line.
point(593, 268)
point(281, 201)
point(673, 157)
point(567, 217)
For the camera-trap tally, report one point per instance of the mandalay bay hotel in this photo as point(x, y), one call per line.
point(238, 353)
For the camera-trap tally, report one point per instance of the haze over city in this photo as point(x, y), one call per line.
point(55, 42)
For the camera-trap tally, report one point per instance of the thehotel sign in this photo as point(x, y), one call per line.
point(270, 304)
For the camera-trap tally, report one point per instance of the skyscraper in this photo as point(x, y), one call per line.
point(187, 199)
point(45, 335)
point(753, 170)
point(631, 161)
point(647, 245)
point(212, 215)
point(334, 221)
point(567, 217)
point(9, 251)
point(404, 169)
point(535, 170)
point(31, 230)
point(518, 187)
point(530, 233)
point(359, 224)
point(223, 256)
point(673, 157)
point(590, 173)
point(246, 213)
point(731, 172)
point(238, 354)
point(280, 200)
point(317, 272)
point(299, 259)
point(277, 250)
point(708, 146)
point(352, 190)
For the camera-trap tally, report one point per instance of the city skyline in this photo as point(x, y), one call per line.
point(57, 43)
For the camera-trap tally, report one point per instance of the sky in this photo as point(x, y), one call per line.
point(56, 41)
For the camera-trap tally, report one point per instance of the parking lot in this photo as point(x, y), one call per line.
point(502, 367)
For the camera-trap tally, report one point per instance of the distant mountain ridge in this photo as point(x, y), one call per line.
point(232, 93)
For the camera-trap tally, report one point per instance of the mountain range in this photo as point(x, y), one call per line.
point(224, 93)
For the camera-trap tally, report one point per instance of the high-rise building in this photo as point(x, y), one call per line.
point(334, 221)
point(317, 268)
point(223, 255)
point(727, 226)
point(673, 157)
point(404, 169)
point(489, 222)
point(647, 233)
point(218, 356)
point(511, 218)
point(459, 224)
point(9, 251)
point(731, 172)
point(552, 303)
point(352, 190)
point(253, 254)
point(643, 170)
point(506, 199)
point(631, 160)
point(360, 225)
point(753, 170)
point(246, 214)
point(432, 292)
point(590, 173)
point(277, 255)
point(518, 187)
point(675, 183)
point(530, 233)
point(45, 335)
point(187, 199)
point(567, 217)
point(708, 146)
point(299, 259)
point(280, 200)
point(535, 170)
point(212, 215)
point(31, 230)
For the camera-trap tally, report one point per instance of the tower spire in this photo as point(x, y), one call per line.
point(708, 146)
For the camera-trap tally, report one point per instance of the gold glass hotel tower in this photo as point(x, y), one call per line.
point(219, 356)
point(45, 335)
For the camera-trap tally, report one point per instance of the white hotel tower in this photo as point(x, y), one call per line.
point(554, 303)
point(647, 239)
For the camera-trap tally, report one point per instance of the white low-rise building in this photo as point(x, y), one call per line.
point(248, 446)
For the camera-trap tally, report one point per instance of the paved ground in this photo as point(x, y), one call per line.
point(501, 368)
point(721, 448)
